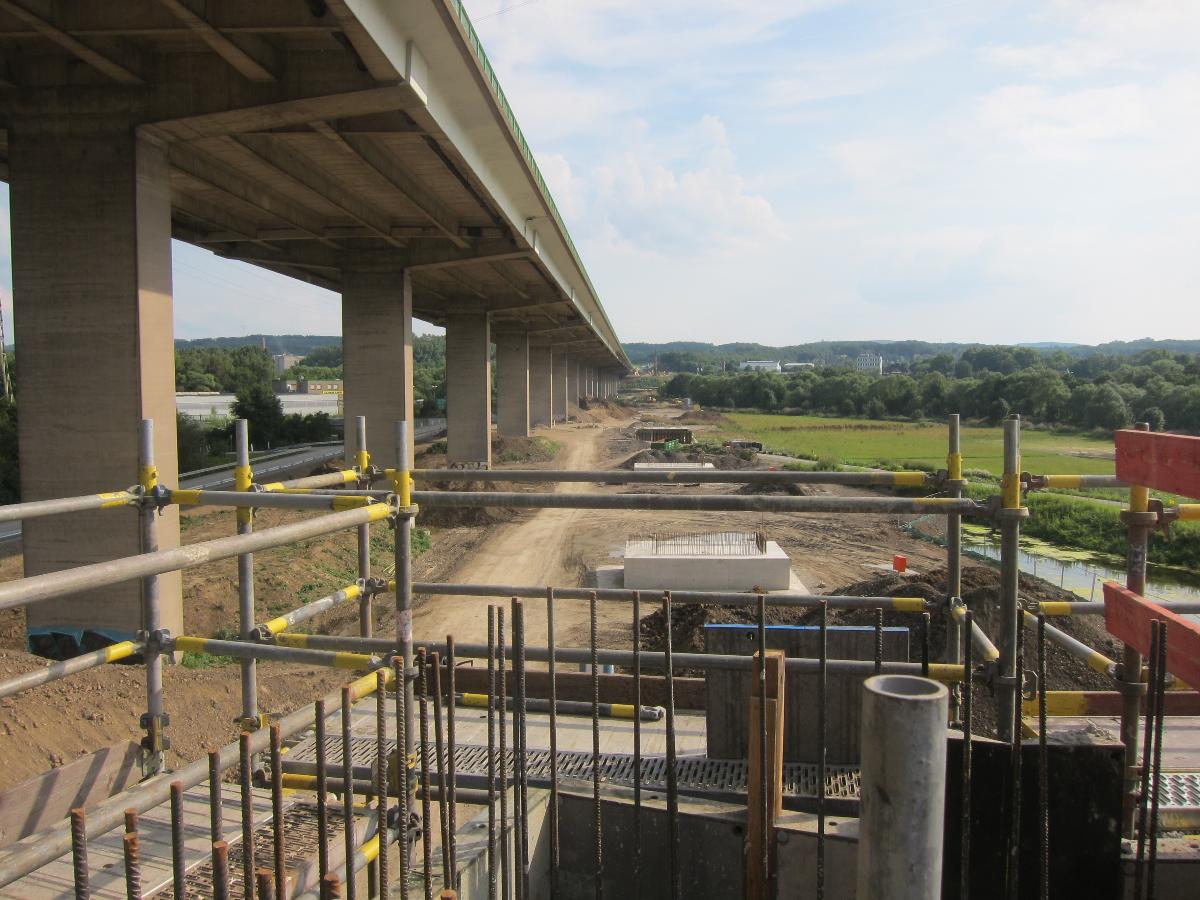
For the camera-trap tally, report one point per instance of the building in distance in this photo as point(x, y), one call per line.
point(761, 365)
point(870, 363)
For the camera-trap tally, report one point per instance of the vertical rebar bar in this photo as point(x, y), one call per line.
point(366, 624)
point(426, 804)
point(322, 793)
point(440, 760)
point(381, 783)
point(491, 737)
point(964, 891)
point(153, 748)
point(178, 859)
point(822, 701)
point(262, 880)
point(672, 783)
point(520, 710)
point(220, 869)
point(1010, 533)
point(1043, 766)
point(502, 710)
point(246, 783)
point(593, 640)
point(331, 887)
point(246, 619)
point(878, 641)
point(450, 788)
point(215, 823)
point(1015, 782)
point(552, 675)
point(925, 628)
point(79, 855)
point(403, 792)
point(1160, 687)
point(1138, 524)
point(404, 597)
point(763, 781)
point(637, 744)
point(348, 791)
point(1143, 808)
point(133, 865)
point(280, 874)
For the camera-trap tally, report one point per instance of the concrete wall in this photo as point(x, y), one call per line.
point(512, 383)
point(377, 342)
point(541, 385)
point(573, 384)
point(91, 254)
point(560, 386)
point(468, 390)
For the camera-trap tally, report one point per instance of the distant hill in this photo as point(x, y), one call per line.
point(830, 351)
point(298, 344)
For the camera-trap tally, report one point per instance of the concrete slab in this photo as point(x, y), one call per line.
point(652, 564)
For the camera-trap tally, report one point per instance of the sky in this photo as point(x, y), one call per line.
point(784, 171)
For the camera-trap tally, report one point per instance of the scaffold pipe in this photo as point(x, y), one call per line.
point(698, 502)
point(574, 655)
point(720, 598)
point(1077, 648)
point(1076, 482)
point(37, 588)
point(36, 509)
point(315, 608)
point(330, 479)
point(262, 500)
point(83, 662)
point(979, 639)
point(678, 476)
point(279, 653)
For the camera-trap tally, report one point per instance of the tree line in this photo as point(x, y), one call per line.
point(1098, 392)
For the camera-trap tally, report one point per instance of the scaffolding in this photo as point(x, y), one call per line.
point(414, 682)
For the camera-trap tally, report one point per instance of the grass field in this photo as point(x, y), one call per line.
point(865, 442)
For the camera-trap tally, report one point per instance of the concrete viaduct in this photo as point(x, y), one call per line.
point(362, 145)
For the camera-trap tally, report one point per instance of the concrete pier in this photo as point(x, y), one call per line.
point(561, 385)
point(468, 391)
point(91, 255)
point(573, 383)
point(541, 385)
point(377, 341)
point(512, 383)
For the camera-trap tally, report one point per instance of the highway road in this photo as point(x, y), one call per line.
point(269, 467)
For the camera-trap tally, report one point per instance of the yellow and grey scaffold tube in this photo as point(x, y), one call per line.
point(261, 500)
point(315, 608)
point(1187, 512)
point(37, 588)
point(330, 479)
point(110, 654)
point(682, 476)
point(278, 652)
point(979, 639)
point(571, 707)
point(1077, 648)
point(36, 509)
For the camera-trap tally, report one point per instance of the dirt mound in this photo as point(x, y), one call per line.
point(453, 517)
point(601, 410)
point(536, 449)
point(704, 417)
point(795, 490)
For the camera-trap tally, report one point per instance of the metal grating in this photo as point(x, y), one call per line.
point(1179, 801)
point(693, 773)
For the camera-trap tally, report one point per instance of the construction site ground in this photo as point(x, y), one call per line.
point(54, 725)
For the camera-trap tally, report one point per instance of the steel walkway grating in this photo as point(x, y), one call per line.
point(693, 773)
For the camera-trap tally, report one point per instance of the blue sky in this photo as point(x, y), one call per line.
point(784, 171)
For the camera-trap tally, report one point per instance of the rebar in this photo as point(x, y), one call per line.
point(277, 812)
point(348, 790)
point(925, 628)
point(1043, 767)
point(521, 739)
point(426, 810)
point(133, 865)
point(403, 782)
point(1160, 687)
point(637, 745)
point(491, 737)
point(381, 783)
point(502, 681)
point(331, 887)
point(764, 781)
point(220, 870)
point(439, 757)
point(1015, 777)
point(322, 792)
point(215, 824)
point(672, 775)
point(246, 782)
point(721, 543)
point(450, 786)
point(1143, 807)
point(597, 823)
point(402, 558)
point(878, 641)
point(79, 854)
point(964, 891)
point(263, 882)
point(822, 702)
point(552, 676)
point(178, 850)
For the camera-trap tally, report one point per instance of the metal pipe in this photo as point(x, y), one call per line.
point(313, 609)
point(551, 674)
point(979, 639)
point(426, 810)
point(954, 477)
point(964, 891)
point(403, 779)
point(521, 738)
point(502, 692)
point(903, 781)
point(327, 479)
point(243, 481)
point(1010, 534)
point(277, 814)
point(57, 670)
point(637, 743)
point(672, 787)
point(261, 500)
point(366, 625)
point(1089, 608)
point(1095, 660)
point(1043, 768)
point(246, 782)
point(763, 812)
point(402, 558)
point(491, 766)
point(1138, 521)
point(1143, 795)
point(822, 704)
point(678, 476)
point(624, 658)
point(1015, 779)
point(1160, 687)
point(36, 509)
point(1076, 482)
point(720, 598)
point(597, 822)
point(381, 785)
point(278, 652)
point(37, 588)
point(348, 792)
point(153, 744)
point(439, 757)
point(697, 502)
point(322, 791)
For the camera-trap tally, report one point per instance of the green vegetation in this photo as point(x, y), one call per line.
point(10, 470)
point(534, 449)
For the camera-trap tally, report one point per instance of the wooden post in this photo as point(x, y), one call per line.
point(774, 706)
